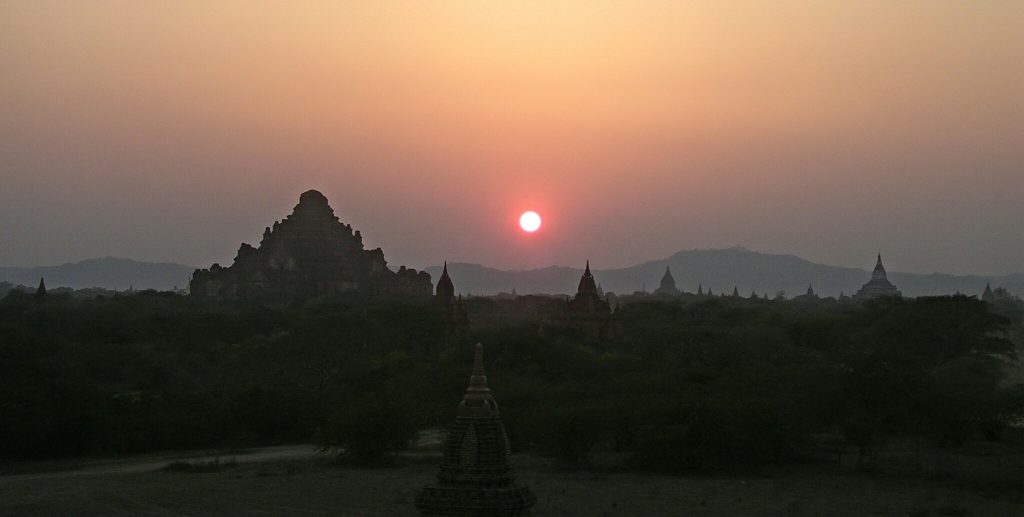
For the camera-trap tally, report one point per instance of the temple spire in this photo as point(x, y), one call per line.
point(587, 285)
point(668, 284)
point(445, 291)
point(41, 291)
point(878, 285)
point(988, 295)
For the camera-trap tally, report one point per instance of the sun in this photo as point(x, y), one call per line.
point(529, 221)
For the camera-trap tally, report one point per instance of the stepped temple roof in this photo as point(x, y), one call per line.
point(309, 253)
point(879, 285)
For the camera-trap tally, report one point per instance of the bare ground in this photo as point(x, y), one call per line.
point(294, 481)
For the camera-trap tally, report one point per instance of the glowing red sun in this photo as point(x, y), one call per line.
point(529, 221)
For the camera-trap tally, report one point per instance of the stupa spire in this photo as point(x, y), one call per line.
point(988, 295)
point(478, 381)
point(445, 291)
point(878, 285)
point(587, 285)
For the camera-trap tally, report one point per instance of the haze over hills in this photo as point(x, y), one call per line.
point(721, 270)
point(107, 272)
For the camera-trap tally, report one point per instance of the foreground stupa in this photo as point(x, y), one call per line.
point(476, 477)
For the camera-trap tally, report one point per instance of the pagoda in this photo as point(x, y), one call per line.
point(668, 285)
point(588, 310)
point(878, 286)
point(987, 295)
point(476, 475)
point(444, 297)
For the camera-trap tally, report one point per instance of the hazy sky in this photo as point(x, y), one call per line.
point(173, 131)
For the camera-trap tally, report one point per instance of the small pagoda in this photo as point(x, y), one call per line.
point(668, 285)
point(879, 285)
point(476, 477)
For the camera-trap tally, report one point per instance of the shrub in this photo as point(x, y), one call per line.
point(369, 429)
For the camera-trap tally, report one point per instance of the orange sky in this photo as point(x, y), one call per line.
point(831, 130)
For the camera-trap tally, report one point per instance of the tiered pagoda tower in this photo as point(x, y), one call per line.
point(668, 285)
point(879, 285)
point(476, 476)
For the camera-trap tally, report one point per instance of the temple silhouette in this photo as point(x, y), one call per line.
point(310, 253)
point(878, 286)
point(668, 285)
point(589, 311)
point(444, 297)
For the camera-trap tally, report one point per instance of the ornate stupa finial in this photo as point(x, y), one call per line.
point(478, 400)
point(478, 381)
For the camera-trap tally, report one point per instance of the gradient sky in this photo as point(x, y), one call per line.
point(173, 131)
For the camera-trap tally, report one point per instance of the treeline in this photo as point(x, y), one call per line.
point(679, 385)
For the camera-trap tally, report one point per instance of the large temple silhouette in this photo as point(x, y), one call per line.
point(310, 253)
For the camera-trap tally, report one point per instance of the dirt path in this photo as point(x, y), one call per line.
point(151, 463)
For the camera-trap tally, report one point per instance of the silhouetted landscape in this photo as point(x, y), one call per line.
point(498, 259)
point(720, 270)
point(310, 339)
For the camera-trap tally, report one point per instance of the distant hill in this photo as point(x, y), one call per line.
point(720, 270)
point(108, 272)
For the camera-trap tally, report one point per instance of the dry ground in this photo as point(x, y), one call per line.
point(294, 481)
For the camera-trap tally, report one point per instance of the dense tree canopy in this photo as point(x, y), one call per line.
point(680, 384)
